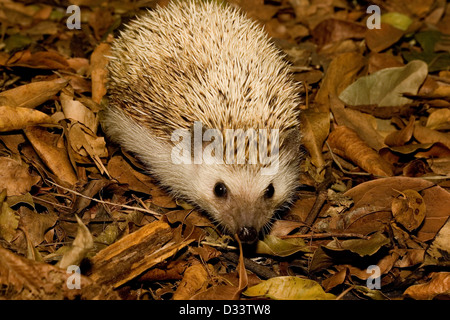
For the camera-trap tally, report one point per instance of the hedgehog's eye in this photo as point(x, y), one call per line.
point(270, 190)
point(220, 190)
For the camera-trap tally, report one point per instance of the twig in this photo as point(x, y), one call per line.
point(343, 293)
point(37, 199)
point(325, 235)
point(106, 202)
point(218, 245)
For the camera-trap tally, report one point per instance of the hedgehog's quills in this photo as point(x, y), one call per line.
point(206, 63)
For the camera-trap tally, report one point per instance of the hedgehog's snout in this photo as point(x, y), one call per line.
point(248, 234)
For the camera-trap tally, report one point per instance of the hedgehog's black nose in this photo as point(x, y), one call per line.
point(248, 234)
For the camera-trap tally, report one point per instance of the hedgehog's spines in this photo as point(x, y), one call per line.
point(199, 61)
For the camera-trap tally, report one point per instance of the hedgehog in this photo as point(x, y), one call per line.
point(194, 67)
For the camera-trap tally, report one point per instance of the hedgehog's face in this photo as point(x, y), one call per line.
point(243, 200)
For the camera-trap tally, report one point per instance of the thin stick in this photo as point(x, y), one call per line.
point(325, 235)
point(339, 297)
point(312, 215)
point(106, 202)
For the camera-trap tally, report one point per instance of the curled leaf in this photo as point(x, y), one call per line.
point(81, 245)
point(347, 143)
point(195, 280)
point(439, 285)
point(316, 126)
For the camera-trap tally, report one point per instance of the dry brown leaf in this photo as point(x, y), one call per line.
point(123, 172)
point(16, 13)
point(12, 141)
point(316, 126)
point(43, 13)
point(399, 138)
point(51, 150)
point(205, 252)
point(439, 285)
point(120, 170)
point(15, 118)
point(90, 190)
point(196, 278)
point(38, 60)
point(416, 168)
point(75, 110)
point(15, 177)
point(243, 277)
point(79, 248)
point(440, 166)
point(341, 72)
point(9, 220)
point(84, 143)
point(439, 250)
point(376, 196)
point(346, 143)
point(385, 264)
point(80, 65)
point(335, 279)
point(334, 30)
point(426, 135)
point(161, 198)
point(439, 118)
point(256, 9)
point(99, 73)
point(420, 150)
point(409, 257)
point(409, 209)
point(219, 292)
point(36, 224)
point(227, 292)
point(32, 94)
point(364, 124)
point(189, 217)
point(100, 20)
point(282, 228)
point(174, 270)
point(379, 39)
point(378, 61)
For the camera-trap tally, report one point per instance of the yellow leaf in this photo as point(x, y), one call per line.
point(15, 118)
point(289, 288)
point(273, 245)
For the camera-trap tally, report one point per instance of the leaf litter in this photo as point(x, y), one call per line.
point(375, 173)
